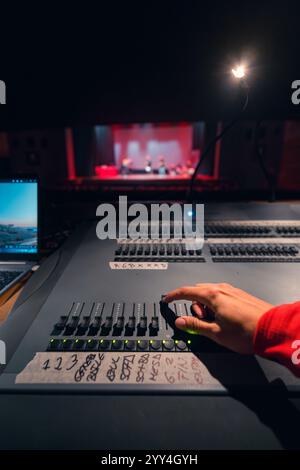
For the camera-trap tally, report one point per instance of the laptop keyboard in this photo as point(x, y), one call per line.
point(6, 277)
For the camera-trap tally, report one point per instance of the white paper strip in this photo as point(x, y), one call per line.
point(113, 367)
point(137, 265)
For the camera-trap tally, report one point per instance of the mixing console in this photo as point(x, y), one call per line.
point(91, 343)
point(106, 300)
point(105, 326)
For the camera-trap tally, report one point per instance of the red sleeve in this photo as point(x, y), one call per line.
point(277, 336)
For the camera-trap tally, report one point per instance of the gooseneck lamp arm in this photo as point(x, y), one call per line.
point(239, 73)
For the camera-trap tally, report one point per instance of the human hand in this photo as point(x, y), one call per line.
point(223, 313)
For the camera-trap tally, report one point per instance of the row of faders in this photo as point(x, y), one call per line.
point(124, 327)
point(168, 252)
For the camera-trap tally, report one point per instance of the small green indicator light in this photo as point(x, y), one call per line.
point(114, 340)
point(176, 341)
point(89, 340)
point(151, 342)
point(76, 341)
point(189, 341)
point(164, 341)
point(101, 340)
point(139, 341)
point(64, 341)
point(126, 341)
point(51, 340)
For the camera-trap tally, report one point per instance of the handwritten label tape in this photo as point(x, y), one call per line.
point(113, 367)
point(136, 265)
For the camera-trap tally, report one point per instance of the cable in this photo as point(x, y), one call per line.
point(211, 144)
point(270, 179)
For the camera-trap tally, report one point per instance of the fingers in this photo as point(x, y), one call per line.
point(195, 325)
point(198, 309)
point(202, 293)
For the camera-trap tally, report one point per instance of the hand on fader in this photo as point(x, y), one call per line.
point(222, 312)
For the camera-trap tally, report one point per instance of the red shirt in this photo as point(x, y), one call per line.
point(277, 336)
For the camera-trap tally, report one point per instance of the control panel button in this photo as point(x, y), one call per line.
point(60, 325)
point(142, 345)
point(72, 325)
point(104, 344)
point(118, 250)
point(117, 344)
point(142, 326)
point(154, 326)
point(79, 344)
point(129, 345)
point(95, 326)
point(155, 345)
point(83, 326)
point(54, 345)
point(118, 327)
point(168, 345)
point(67, 344)
point(91, 344)
point(107, 326)
point(130, 327)
point(132, 250)
point(180, 345)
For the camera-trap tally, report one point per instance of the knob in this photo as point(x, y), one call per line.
point(155, 345)
point(67, 344)
point(117, 344)
point(91, 344)
point(180, 345)
point(104, 344)
point(168, 345)
point(129, 345)
point(142, 345)
point(61, 322)
point(54, 345)
point(79, 344)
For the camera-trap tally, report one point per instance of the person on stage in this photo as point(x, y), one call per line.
point(125, 168)
point(162, 169)
point(148, 164)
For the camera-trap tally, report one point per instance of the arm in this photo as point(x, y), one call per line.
point(277, 336)
point(241, 322)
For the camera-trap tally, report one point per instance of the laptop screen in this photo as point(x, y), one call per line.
point(18, 216)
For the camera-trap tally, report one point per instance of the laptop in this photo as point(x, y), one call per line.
point(19, 235)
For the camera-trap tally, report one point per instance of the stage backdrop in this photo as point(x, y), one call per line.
point(173, 142)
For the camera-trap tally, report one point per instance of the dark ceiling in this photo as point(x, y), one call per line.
point(146, 61)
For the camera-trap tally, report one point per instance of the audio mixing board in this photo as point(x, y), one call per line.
point(108, 297)
point(91, 344)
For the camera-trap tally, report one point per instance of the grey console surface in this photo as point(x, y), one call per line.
point(95, 306)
